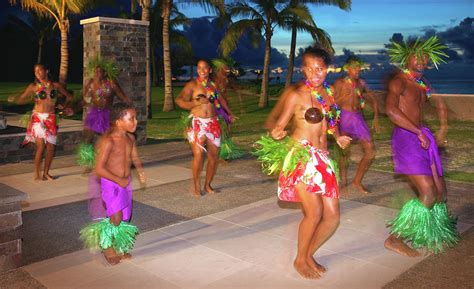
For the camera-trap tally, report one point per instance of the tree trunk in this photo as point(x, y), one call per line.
point(63, 67)
point(145, 10)
point(146, 17)
point(168, 100)
point(40, 48)
point(263, 102)
point(153, 68)
point(291, 60)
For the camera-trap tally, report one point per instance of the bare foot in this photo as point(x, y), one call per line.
point(111, 256)
point(343, 189)
point(209, 189)
point(48, 177)
point(320, 269)
point(37, 178)
point(360, 188)
point(197, 193)
point(125, 256)
point(399, 247)
point(305, 271)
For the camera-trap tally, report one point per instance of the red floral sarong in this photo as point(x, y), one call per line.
point(208, 127)
point(318, 174)
point(42, 125)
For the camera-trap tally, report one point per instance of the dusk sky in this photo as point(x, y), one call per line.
point(371, 23)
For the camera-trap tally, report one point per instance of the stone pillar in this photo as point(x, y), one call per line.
point(124, 41)
point(10, 223)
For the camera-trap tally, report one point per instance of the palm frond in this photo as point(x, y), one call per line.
point(432, 47)
point(219, 63)
point(109, 67)
point(354, 61)
point(235, 31)
point(342, 4)
point(181, 41)
point(323, 38)
point(212, 6)
point(298, 14)
point(243, 10)
point(179, 19)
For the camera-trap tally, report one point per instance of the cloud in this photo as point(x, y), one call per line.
point(205, 35)
point(432, 27)
point(461, 36)
point(458, 38)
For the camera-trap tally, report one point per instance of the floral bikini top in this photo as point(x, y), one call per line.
point(42, 91)
point(102, 91)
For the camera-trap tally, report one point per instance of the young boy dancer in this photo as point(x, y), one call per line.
point(116, 152)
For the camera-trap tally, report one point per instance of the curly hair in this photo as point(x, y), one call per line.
point(118, 111)
point(317, 52)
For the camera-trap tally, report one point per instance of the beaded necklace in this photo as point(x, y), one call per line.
point(419, 81)
point(357, 92)
point(331, 112)
point(211, 90)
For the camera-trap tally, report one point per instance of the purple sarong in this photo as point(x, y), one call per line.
point(96, 204)
point(97, 119)
point(353, 124)
point(117, 198)
point(409, 157)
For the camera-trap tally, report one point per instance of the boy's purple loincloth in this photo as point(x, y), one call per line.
point(353, 124)
point(96, 204)
point(409, 157)
point(117, 198)
point(97, 119)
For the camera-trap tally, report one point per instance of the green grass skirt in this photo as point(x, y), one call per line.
point(431, 229)
point(85, 155)
point(103, 234)
point(284, 155)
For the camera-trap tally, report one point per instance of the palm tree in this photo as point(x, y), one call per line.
point(168, 104)
point(145, 5)
point(261, 17)
point(319, 35)
point(167, 5)
point(177, 19)
point(59, 11)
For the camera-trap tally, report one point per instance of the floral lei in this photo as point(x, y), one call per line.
point(212, 91)
point(357, 92)
point(103, 89)
point(42, 90)
point(419, 81)
point(331, 112)
point(40, 87)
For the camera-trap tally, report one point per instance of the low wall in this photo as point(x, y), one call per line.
point(10, 227)
point(460, 106)
point(11, 151)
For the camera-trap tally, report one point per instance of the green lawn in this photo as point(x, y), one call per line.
point(248, 128)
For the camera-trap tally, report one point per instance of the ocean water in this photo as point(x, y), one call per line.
point(448, 84)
